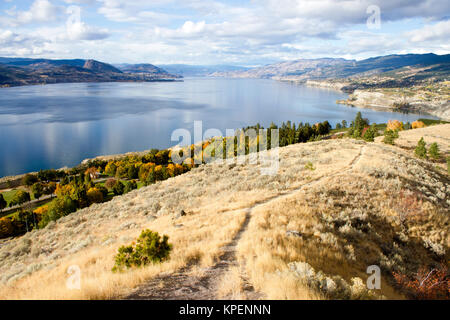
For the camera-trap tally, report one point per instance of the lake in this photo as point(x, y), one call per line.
point(59, 125)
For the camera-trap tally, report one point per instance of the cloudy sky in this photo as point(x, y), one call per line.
point(235, 32)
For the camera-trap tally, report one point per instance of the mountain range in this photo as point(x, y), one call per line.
point(187, 70)
point(24, 71)
point(330, 68)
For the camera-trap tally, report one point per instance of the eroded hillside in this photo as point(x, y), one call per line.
point(309, 232)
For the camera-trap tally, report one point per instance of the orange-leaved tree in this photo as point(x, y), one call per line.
point(427, 284)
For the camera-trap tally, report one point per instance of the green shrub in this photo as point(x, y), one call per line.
point(149, 248)
point(110, 183)
point(390, 136)
point(421, 150)
point(310, 166)
point(448, 165)
point(433, 152)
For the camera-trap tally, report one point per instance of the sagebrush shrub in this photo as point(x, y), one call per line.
point(149, 248)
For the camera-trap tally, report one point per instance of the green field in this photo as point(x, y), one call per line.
point(8, 195)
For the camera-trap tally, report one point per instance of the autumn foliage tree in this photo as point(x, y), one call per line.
point(418, 124)
point(427, 284)
point(394, 125)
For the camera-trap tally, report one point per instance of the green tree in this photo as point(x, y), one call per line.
point(3, 203)
point(38, 190)
point(344, 124)
point(390, 136)
point(29, 179)
point(50, 188)
point(133, 172)
point(130, 185)
point(20, 198)
point(58, 208)
point(151, 178)
point(80, 196)
point(102, 189)
point(433, 152)
point(357, 126)
point(118, 188)
point(370, 133)
point(421, 150)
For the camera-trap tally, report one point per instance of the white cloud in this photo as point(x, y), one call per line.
point(437, 32)
point(78, 30)
point(41, 11)
point(212, 31)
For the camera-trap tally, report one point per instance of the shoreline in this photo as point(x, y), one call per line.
point(70, 82)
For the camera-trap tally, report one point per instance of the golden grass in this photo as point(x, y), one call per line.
point(321, 204)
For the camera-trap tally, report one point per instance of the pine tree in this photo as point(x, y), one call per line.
point(433, 152)
point(421, 150)
point(2, 203)
point(390, 136)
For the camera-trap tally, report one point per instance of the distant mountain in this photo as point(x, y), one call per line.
point(326, 68)
point(200, 71)
point(23, 71)
point(289, 68)
point(100, 67)
point(26, 62)
point(144, 68)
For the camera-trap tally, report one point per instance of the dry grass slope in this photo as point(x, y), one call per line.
point(301, 234)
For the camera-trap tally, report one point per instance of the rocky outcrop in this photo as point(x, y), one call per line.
point(419, 102)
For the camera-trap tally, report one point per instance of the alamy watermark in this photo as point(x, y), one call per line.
point(73, 282)
point(374, 280)
point(261, 146)
point(374, 20)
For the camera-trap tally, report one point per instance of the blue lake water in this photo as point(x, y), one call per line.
point(59, 125)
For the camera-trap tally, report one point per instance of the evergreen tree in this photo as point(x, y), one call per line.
point(390, 136)
point(433, 152)
point(421, 150)
point(38, 190)
point(2, 203)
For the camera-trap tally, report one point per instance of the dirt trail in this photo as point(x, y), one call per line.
point(185, 286)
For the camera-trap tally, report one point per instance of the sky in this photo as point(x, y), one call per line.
point(208, 32)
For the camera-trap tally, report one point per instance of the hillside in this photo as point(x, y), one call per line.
point(145, 68)
point(298, 69)
point(18, 72)
point(309, 232)
point(330, 68)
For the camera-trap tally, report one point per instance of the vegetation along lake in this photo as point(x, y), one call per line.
point(59, 125)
